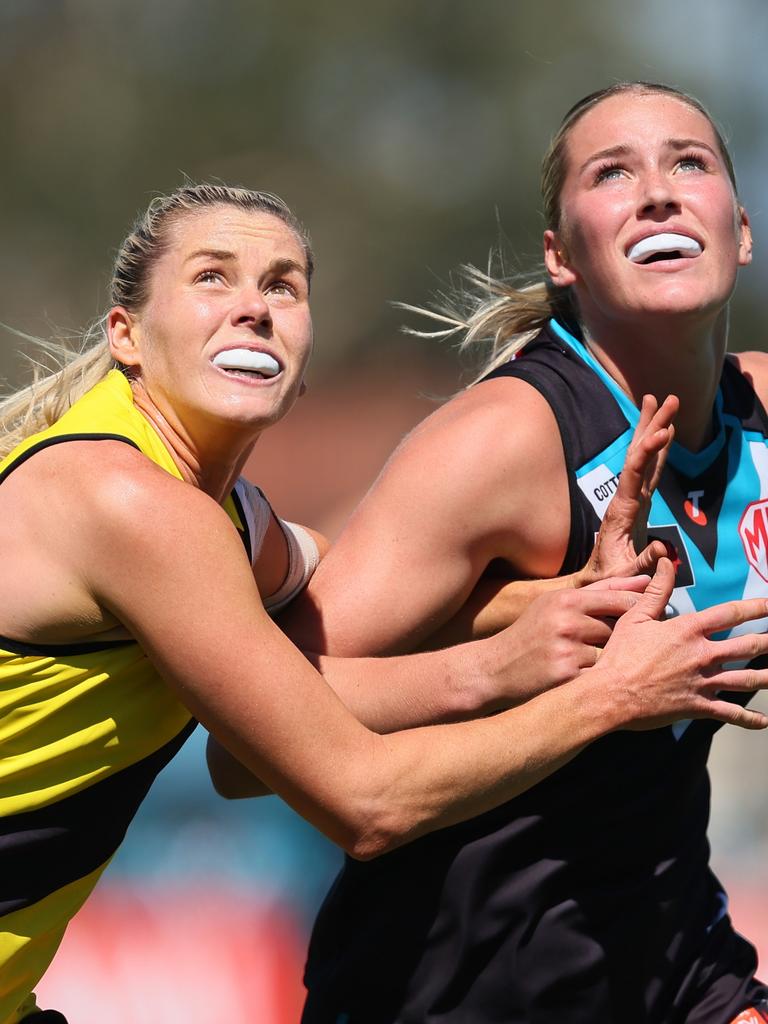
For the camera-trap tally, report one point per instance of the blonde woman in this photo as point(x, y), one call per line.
point(588, 897)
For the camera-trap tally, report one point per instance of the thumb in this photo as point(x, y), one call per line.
point(652, 603)
point(647, 559)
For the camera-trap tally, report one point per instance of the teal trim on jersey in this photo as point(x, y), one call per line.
point(688, 462)
point(628, 407)
point(694, 463)
point(749, 435)
point(727, 579)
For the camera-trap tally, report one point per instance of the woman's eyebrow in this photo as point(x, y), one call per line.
point(285, 265)
point(210, 254)
point(688, 143)
point(281, 265)
point(620, 150)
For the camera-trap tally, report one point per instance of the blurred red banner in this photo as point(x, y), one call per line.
point(197, 956)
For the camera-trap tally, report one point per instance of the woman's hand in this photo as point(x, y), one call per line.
point(620, 548)
point(660, 672)
point(557, 636)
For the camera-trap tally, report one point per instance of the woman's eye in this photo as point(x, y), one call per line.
point(208, 276)
point(610, 172)
point(692, 162)
point(281, 288)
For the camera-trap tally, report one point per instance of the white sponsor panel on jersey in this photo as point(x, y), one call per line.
point(599, 486)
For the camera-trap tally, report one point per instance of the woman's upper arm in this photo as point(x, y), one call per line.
point(166, 561)
point(456, 494)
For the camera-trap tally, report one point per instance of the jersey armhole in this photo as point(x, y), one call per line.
point(59, 439)
point(576, 522)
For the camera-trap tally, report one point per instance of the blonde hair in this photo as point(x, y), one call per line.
point(77, 368)
point(502, 313)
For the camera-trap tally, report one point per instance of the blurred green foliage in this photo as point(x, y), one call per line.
point(407, 135)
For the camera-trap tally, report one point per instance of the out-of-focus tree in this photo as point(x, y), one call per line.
point(408, 136)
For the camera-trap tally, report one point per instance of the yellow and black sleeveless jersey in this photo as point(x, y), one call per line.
point(84, 729)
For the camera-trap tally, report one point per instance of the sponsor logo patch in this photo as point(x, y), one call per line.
point(753, 530)
point(599, 486)
point(693, 509)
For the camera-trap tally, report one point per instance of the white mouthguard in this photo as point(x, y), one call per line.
point(247, 359)
point(667, 242)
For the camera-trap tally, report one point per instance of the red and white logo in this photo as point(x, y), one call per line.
point(753, 530)
point(693, 509)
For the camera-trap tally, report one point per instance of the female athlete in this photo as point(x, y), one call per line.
point(588, 897)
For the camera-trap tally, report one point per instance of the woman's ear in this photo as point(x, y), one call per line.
point(124, 337)
point(745, 238)
point(556, 260)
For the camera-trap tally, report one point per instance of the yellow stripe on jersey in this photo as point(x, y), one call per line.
point(28, 940)
point(62, 728)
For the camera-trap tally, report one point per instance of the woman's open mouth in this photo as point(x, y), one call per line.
point(247, 363)
point(665, 246)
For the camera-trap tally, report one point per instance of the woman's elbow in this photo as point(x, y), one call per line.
point(228, 790)
point(373, 832)
point(230, 779)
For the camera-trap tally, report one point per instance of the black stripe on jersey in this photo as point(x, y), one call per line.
point(245, 533)
point(57, 440)
point(576, 397)
point(19, 647)
point(45, 849)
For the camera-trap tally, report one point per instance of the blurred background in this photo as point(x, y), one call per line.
point(408, 137)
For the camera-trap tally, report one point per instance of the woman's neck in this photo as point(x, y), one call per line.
point(213, 469)
point(663, 358)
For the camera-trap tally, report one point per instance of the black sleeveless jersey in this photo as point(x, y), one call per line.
point(588, 899)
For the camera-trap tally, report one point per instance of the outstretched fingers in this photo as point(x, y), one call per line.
point(737, 680)
point(623, 530)
point(742, 648)
point(650, 443)
point(655, 417)
point(658, 437)
point(734, 714)
point(732, 613)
